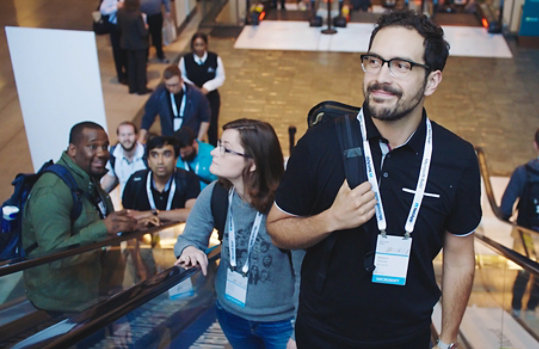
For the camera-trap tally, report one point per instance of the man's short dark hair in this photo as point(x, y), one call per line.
point(75, 135)
point(160, 142)
point(185, 137)
point(436, 48)
point(127, 123)
point(171, 71)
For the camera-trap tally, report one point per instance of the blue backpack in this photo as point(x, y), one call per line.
point(11, 241)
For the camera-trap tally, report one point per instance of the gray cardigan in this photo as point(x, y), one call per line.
point(270, 291)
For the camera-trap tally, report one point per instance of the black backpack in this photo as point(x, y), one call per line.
point(11, 242)
point(351, 148)
point(528, 204)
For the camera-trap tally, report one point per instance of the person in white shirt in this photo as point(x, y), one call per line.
point(126, 158)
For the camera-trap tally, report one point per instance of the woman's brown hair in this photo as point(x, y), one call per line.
point(261, 144)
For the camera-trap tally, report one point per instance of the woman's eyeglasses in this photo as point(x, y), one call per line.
point(224, 150)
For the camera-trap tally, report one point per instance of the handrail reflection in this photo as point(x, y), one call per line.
point(15, 265)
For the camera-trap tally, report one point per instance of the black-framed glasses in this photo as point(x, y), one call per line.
point(224, 150)
point(398, 67)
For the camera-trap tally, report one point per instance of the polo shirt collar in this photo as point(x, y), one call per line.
point(416, 141)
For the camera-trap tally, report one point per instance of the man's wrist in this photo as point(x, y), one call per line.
point(442, 345)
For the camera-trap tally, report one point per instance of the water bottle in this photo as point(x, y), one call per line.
point(9, 215)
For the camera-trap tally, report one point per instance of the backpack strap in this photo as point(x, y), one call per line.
point(219, 208)
point(68, 179)
point(350, 146)
point(112, 158)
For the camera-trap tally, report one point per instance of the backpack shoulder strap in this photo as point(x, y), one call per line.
point(112, 158)
point(68, 179)
point(350, 146)
point(219, 208)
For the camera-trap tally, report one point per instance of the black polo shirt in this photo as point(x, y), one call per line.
point(350, 306)
point(135, 195)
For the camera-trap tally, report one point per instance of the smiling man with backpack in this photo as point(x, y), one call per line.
point(49, 224)
point(524, 186)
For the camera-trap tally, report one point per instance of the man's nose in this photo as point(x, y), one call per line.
point(384, 74)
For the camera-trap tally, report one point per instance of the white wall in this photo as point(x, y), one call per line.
point(58, 83)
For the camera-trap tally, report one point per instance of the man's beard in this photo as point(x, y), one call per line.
point(130, 148)
point(190, 157)
point(397, 112)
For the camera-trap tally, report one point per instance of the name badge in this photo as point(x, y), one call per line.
point(177, 123)
point(236, 287)
point(182, 290)
point(391, 260)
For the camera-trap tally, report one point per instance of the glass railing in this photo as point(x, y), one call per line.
point(91, 288)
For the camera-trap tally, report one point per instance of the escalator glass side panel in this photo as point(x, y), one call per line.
point(497, 313)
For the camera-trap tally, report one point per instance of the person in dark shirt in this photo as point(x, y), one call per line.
point(527, 217)
point(161, 190)
point(367, 280)
point(178, 105)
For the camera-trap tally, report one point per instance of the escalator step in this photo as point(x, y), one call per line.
point(212, 338)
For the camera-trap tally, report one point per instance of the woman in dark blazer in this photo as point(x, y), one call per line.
point(134, 39)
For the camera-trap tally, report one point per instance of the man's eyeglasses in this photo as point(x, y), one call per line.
point(223, 150)
point(398, 67)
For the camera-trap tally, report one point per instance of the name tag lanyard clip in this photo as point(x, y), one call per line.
point(151, 201)
point(232, 236)
point(178, 116)
point(421, 183)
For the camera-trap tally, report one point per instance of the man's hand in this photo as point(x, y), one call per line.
point(119, 221)
point(192, 257)
point(352, 208)
point(204, 90)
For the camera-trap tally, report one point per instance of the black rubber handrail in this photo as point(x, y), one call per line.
point(15, 265)
point(111, 309)
point(512, 255)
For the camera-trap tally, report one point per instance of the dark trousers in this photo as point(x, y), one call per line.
point(136, 72)
point(119, 54)
point(215, 105)
point(519, 288)
point(155, 24)
point(308, 337)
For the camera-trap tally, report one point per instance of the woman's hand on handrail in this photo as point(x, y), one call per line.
point(193, 257)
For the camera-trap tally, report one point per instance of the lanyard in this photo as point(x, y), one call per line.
point(178, 124)
point(170, 193)
point(421, 182)
point(232, 235)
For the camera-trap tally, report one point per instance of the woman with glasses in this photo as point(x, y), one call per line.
point(255, 280)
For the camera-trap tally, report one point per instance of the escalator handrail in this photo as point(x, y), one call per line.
point(111, 309)
point(526, 263)
point(15, 265)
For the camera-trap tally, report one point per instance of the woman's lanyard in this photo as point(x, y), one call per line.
point(232, 235)
point(421, 183)
point(170, 193)
point(178, 118)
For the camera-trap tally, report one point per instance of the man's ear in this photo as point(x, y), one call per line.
point(433, 80)
point(71, 150)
